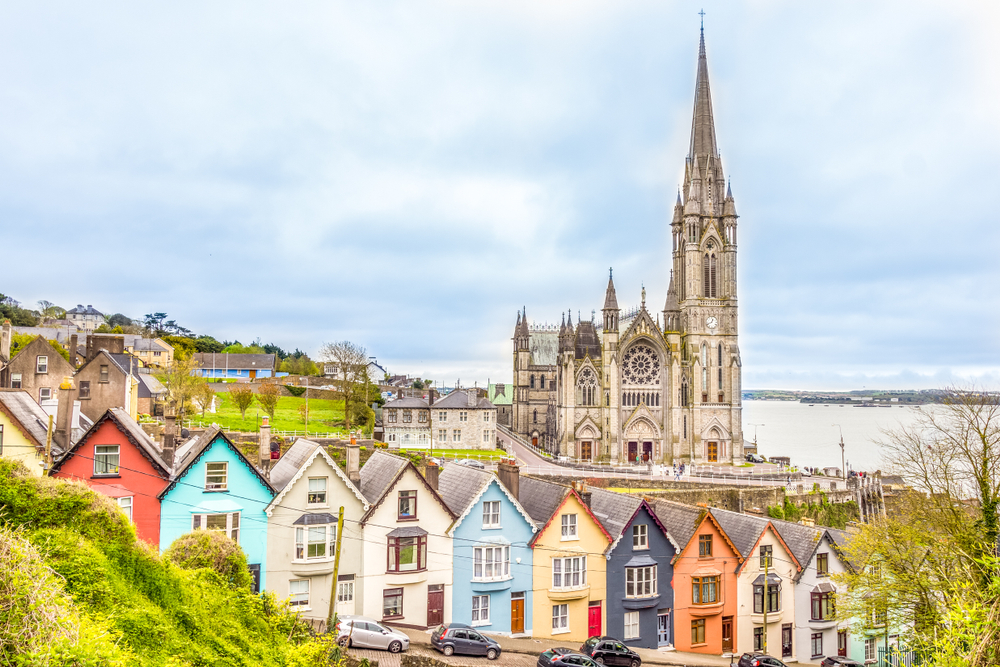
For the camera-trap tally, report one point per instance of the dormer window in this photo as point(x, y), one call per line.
point(569, 527)
point(317, 491)
point(640, 536)
point(216, 476)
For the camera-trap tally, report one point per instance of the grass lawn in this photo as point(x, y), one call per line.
point(286, 416)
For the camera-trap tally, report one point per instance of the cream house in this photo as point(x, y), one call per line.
point(302, 532)
point(406, 553)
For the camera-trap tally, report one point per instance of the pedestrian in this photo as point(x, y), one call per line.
point(789, 480)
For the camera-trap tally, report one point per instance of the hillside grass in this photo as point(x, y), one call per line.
point(325, 416)
point(111, 600)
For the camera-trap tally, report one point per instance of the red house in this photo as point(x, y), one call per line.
point(117, 458)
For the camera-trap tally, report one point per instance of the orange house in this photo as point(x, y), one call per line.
point(705, 585)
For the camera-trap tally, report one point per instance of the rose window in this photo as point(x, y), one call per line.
point(641, 365)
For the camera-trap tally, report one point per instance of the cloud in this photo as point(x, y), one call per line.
point(409, 175)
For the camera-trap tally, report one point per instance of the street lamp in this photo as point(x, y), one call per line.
point(843, 464)
point(755, 436)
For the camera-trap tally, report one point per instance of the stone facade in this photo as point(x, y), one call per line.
point(635, 388)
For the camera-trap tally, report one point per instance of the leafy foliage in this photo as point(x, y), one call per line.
point(824, 513)
point(242, 396)
point(208, 344)
point(10, 309)
point(213, 550)
point(267, 396)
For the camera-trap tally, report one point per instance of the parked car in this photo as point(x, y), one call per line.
point(369, 633)
point(472, 463)
point(610, 651)
point(555, 657)
point(759, 660)
point(464, 640)
point(755, 458)
point(839, 661)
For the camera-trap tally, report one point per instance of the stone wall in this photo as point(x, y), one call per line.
point(411, 660)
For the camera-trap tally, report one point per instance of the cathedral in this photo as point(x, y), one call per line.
point(640, 386)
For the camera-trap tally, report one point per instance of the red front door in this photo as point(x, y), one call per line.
point(435, 605)
point(594, 620)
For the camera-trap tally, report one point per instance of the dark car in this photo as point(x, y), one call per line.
point(754, 458)
point(463, 639)
point(759, 660)
point(610, 651)
point(472, 463)
point(839, 661)
point(555, 657)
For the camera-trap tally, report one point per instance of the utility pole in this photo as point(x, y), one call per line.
point(48, 446)
point(767, 563)
point(307, 406)
point(843, 461)
point(336, 570)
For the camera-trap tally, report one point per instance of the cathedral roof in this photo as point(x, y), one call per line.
point(587, 342)
point(544, 347)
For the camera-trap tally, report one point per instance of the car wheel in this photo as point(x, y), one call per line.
point(395, 647)
point(492, 654)
point(448, 650)
point(599, 661)
point(345, 642)
point(635, 663)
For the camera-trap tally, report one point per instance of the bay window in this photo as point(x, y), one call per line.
point(773, 599)
point(225, 523)
point(490, 563)
point(640, 581)
point(570, 572)
point(315, 542)
point(407, 554)
point(704, 590)
point(822, 606)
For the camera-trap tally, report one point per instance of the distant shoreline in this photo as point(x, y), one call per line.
point(857, 398)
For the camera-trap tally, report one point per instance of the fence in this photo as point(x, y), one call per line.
point(898, 657)
point(285, 434)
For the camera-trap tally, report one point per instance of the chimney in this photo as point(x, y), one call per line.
point(471, 395)
point(353, 469)
point(431, 473)
point(169, 433)
point(73, 342)
point(585, 495)
point(430, 397)
point(64, 414)
point(510, 476)
point(264, 445)
point(6, 337)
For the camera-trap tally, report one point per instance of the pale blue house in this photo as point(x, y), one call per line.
point(491, 577)
point(215, 487)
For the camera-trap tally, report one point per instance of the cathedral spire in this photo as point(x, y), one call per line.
point(703, 123)
point(610, 299)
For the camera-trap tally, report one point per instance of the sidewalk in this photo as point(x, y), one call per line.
point(534, 647)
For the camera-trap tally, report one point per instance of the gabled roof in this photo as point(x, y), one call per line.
point(119, 361)
point(27, 416)
point(191, 451)
point(839, 539)
point(613, 510)
point(620, 534)
point(803, 541)
point(746, 531)
point(462, 491)
point(295, 462)
point(586, 508)
point(540, 498)
point(131, 429)
point(680, 520)
point(406, 402)
point(460, 399)
point(380, 474)
point(41, 340)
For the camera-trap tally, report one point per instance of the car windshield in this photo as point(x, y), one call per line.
point(592, 641)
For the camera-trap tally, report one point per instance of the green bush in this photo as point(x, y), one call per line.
point(295, 391)
point(213, 550)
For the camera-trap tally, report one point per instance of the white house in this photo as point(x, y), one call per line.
point(817, 631)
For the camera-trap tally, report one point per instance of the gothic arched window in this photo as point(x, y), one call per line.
point(587, 386)
point(708, 275)
point(542, 385)
point(641, 366)
point(534, 417)
point(532, 381)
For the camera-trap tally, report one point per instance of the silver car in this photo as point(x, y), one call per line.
point(368, 633)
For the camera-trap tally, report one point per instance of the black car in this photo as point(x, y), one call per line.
point(464, 640)
point(556, 657)
point(759, 660)
point(610, 651)
point(839, 661)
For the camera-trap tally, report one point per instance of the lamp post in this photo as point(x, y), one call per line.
point(755, 436)
point(843, 464)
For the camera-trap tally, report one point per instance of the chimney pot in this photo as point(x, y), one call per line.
point(431, 474)
point(510, 476)
point(353, 460)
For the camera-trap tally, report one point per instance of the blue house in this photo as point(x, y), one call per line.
point(215, 487)
point(640, 570)
point(491, 576)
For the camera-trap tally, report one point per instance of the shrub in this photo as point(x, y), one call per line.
point(213, 550)
point(295, 391)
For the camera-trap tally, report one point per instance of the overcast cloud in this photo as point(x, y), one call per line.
point(408, 175)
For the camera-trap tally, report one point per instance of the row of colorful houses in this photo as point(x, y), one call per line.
point(510, 554)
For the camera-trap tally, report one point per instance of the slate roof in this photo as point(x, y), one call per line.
point(613, 510)
point(743, 530)
point(151, 385)
point(406, 402)
point(235, 361)
point(544, 346)
point(460, 399)
point(587, 342)
point(680, 520)
point(459, 485)
point(840, 538)
point(190, 451)
point(540, 498)
point(80, 310)
point(378, 473)
point(149, 344)
point(290, 462)
point(22, 409)
point(148, 447)
point(801, 540)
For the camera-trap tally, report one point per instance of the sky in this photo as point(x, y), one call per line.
point(408, 175)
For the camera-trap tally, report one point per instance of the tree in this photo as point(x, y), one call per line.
point(10, 309)
point(50, 311)
point(242, 396)
point(205, 395)
point(181, 382)
point(267, 396)
point(207, 344)
point(183, 346)
point(119, 320)
point(351, 362)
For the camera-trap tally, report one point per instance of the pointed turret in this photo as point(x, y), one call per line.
point(729, 206)
point(610, 309)
point(703, 123)
point(672, 308)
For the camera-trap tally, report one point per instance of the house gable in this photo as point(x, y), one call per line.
point(214, 441)
point(586, 510)
point(475, 503)
point(303, 472)
point(788, 552)
point(395, 482)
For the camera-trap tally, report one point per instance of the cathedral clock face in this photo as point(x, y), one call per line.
point(712, 322)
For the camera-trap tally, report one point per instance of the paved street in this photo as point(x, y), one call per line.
point(386, 659)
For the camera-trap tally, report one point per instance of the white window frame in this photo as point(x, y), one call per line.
point(42, 363)
point(463, 416)
point(232, 529)
point(126, 503)
point(309, 491)
point(480, 610)
point(456, 435)
point(631, 629)
point(345, 591)
point(640, 537)
point(295, 599)
point(442, 416)
point(491, 563)
point(491, 514)
point(15, 381)
point(642, 581)
point(117, 454)
point(44, 393)
point(870, 649)
point(560, 619)
point(569, 524)
point(571, 569)
point(391, 438)
point(217, 486)
point(307, 536)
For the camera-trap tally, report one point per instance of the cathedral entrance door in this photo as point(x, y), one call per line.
point(633, 451)
point(534, 442)
point(647, 452)
point(585, 450)
point(713, 452)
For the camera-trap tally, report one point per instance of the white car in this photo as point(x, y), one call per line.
point(369, 633)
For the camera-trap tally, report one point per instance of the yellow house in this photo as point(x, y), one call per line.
point(569, 569)
point(23, 425)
